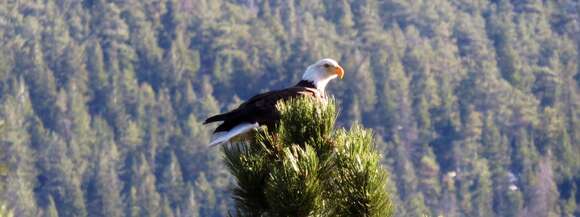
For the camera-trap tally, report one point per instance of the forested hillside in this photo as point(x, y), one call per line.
point(475, 104)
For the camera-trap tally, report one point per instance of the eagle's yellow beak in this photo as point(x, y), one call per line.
point(339, 71)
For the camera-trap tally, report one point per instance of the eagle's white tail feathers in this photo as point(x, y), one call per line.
point(222, 137)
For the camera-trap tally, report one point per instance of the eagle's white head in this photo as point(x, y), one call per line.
point(321, 72)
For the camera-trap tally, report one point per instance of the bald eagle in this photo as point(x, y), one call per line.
point(260, 110)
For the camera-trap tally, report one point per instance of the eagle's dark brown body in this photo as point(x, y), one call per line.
point(261, 108)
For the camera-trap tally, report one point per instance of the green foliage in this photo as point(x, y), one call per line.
point(306, 168)
point(5, 212)
point(3, 169)
point(306, 122)
point(88, 87)
point(293, 186)
point(250, 166)
point(359, 175)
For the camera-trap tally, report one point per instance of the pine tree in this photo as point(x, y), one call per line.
point(166, 210)
point(85, 85)
point(2, 166)
point(428, 174)
point(144, 195)
point(17, 154)
point(171, 182)
point(59, 174)
point(51, 210)
point(306, 168)
point(98, 78)
point(449, 195)
point(345, 18)
point(406, 179)
point(189, 207)
point(482, 195)
point(5, 212)
point(107, 186)
point(205, 195)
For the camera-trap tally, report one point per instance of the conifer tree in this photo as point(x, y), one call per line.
point(107, 201)
point(5, 212)
point(477, 101)
point(50, 210)
point(147, 199)
point(428, 182)
point(190, 207)
point(166, 208)
point(17, 154)
point(171, 182)
point(305, 167)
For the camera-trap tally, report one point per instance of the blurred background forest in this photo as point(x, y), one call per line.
point(475, 104)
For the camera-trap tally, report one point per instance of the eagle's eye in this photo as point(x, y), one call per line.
point(326, 65)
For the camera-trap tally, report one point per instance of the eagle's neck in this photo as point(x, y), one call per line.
point(305, 83)
point(320, 85)
point(311, 84)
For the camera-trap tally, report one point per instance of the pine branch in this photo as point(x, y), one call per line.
point(304, 168)
point(358, 181)
point(294, 188)
point(250, 167)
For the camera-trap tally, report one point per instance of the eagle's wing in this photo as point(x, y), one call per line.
point(260, 109)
